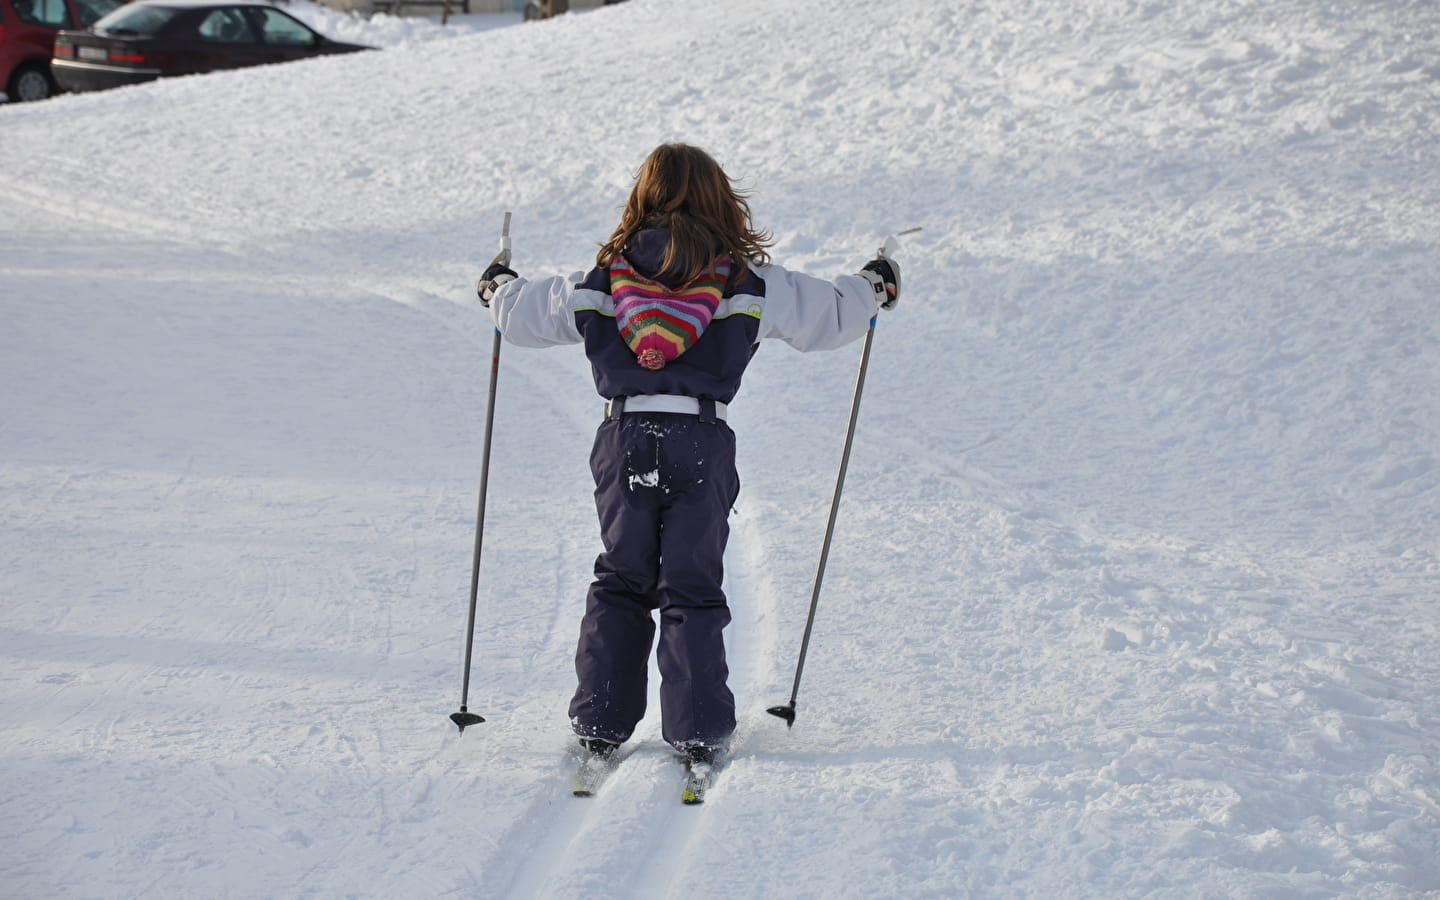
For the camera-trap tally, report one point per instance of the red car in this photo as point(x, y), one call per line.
point(27, 36)
point(150, 39)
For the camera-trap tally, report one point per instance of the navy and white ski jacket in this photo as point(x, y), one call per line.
point(806, 312)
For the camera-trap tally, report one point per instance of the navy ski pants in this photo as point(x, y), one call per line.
point(664, 486)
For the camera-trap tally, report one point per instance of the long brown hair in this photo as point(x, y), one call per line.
point(681, 188)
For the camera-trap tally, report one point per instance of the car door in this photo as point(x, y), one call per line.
point(51, 15)
point(36, 22)
point(284, 36)
point(227, 39)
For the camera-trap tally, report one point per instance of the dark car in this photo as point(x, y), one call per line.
point(27, 40)
point(152, 39)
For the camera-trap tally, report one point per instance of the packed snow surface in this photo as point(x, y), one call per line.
point(1134, 586)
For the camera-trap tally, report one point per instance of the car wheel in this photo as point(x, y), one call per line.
point(31, 82)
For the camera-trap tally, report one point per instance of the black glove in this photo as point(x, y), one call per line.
point(490, 282)
point(883, 273)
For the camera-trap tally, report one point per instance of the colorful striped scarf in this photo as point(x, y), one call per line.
point(660, 323)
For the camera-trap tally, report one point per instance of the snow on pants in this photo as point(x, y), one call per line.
point(664, 486)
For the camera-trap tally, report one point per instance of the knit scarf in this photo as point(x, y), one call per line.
point(660, 323)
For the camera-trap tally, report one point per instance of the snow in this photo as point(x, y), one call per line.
point(1133, 588)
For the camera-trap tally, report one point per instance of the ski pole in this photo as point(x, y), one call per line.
point(787, 711)
point(464, 717)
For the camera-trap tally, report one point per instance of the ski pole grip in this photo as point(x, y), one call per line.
point(892, 243)
point(504, 257)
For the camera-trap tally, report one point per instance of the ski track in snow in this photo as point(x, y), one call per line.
point(562, 845)
point(1133, 586)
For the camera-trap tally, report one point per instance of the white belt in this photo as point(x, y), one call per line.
point(665, 403)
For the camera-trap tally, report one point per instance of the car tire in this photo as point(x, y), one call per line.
point(31, 81)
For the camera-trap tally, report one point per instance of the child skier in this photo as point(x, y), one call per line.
point(670, 316)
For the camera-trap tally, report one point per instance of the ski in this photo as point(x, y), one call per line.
point(700, 771)
point(588, 778)
point(596, 762)
point(697, 782)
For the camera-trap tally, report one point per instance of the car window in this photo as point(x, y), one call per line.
point(136, 19)
point(92, 10)
point(227, 26)
point(278, 28)
point(46, 13)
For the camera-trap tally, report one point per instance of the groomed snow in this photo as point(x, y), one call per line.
point(1133, 591)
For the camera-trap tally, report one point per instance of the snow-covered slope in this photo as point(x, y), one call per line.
point(1134, 586)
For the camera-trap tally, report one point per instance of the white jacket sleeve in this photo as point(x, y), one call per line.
point(809, 313)
point(537, 313)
